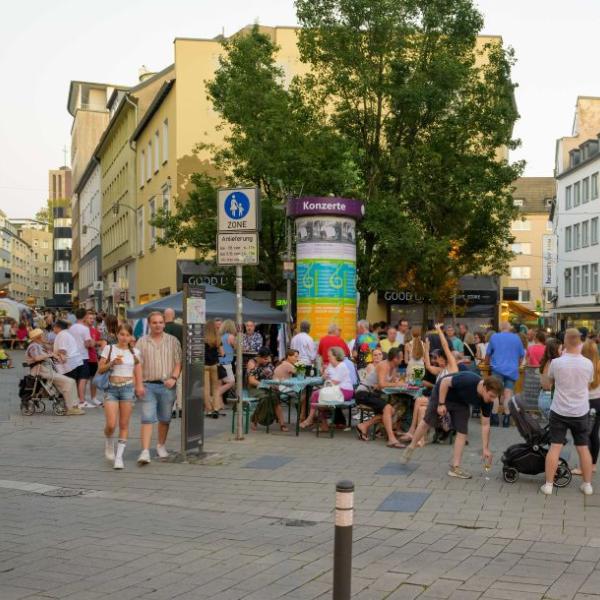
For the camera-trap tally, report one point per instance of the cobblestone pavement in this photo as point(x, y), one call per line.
point(255, 521)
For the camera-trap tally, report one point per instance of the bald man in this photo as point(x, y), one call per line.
point(171, 327)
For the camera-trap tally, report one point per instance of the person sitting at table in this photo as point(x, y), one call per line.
point(440, 364)
point(377, 358)
point(336, 373)
point(413, 354)
point(259, 369)
point(369, 394)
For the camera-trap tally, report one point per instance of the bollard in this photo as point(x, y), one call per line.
point(342, 546)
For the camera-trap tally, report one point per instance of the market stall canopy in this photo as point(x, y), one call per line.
point(219, 303)
point(12, 309)
point(522, 311)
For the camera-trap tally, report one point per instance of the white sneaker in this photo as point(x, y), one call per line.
point(119, 463)
point(586, 488)
point(96, 402)
point(109, 450)
point(162, 451)
point(144, 457)
point(87, 404)
point(547, 489)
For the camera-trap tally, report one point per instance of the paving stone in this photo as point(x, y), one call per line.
point(268, 462)
point(395, 468)
point(403, 502)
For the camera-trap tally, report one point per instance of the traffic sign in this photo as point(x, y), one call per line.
point(238, 210)
point(237, 248)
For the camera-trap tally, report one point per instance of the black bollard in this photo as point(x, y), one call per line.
point(342, 548)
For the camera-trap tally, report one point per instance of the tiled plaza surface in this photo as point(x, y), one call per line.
point(255, 521)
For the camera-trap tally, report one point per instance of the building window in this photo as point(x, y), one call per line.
point(62, 243)
point(140, 230)
point(45, 272)
point(585, 280)
point(62, 266)
point(585, 234)
point(149, 162)
point(576, 281)
point(521, 248)
point(62, 287)
point(166, 192)
point(577, 193)
point(518, 201)
point(594, 278)
point(568, 239)
point(142, 168)
point(45, 244)
point(524, 296)
point(156, 153)
point(520, 272)
point(568, 197)
point(585, 190)
point(165, 146)
point(152, 209)
point(576, 236)
point(594, 186)
point(594, 230)
point(521, 225)
point(46, 288)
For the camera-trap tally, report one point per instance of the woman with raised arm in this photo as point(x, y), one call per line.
point(442, 365)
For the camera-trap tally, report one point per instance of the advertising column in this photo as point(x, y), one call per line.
point(326, 262)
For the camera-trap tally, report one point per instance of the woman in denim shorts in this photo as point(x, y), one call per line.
point(123, 362)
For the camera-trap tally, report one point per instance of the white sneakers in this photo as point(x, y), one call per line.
point(162, 451)
point(109, 450)
point(586, 489)
point(144, 457)
point(118, 464)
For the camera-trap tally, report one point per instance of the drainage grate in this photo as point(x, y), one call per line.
point(63, 493)
point(294, 523)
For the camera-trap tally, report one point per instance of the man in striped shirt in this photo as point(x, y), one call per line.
point(161, 367)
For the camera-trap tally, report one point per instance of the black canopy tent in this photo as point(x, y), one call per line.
point(219, 303)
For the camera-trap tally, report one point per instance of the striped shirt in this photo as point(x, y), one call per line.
point(159, 358)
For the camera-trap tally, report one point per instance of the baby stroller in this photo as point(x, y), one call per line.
point(34, 390)
point(530, 457)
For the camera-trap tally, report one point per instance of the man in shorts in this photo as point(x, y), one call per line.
point(505, 352)
point(455, 395)
point(571, 375)
point(160, 355)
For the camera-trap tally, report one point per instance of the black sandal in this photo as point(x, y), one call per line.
point(363, 437)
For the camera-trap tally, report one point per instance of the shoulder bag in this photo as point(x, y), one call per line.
point(102, 380)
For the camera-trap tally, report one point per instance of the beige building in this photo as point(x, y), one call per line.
point(21, 268)
point(533, 196)
point(40, 242)
point(118, 187)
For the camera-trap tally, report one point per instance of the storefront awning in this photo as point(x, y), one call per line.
point(569, 310)
point(518, 309)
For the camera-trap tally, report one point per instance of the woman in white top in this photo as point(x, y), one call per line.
point(337, 373)
point(481, 346)
point(123, 362)
point(413, 354)
point(590, 350)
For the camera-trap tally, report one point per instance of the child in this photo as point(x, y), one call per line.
point(5, 361)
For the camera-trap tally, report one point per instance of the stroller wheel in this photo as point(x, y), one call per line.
point(510, 475)
point(59, 408)
point(28, 408)
point(40, 407)
point(563, 474)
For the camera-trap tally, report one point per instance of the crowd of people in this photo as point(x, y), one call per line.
point(459, 374)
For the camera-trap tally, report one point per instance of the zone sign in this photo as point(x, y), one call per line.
point(238, 209)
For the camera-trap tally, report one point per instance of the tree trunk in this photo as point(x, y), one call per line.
point(424, 317)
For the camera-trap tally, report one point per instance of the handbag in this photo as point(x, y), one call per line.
point(102, 380)
point(331, 394)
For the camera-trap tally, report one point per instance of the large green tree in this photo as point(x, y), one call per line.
point(276, 137)
point(427, 110)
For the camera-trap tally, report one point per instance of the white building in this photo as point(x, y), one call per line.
point(576, 215)
point(89, 193)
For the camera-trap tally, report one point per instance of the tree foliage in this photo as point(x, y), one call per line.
point(426, 110)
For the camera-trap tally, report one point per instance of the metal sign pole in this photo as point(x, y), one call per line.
point(239, 384)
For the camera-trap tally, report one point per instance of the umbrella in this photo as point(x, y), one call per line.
point(219, 303)
point(11, 309)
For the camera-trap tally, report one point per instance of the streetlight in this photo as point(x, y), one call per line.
point(85, 228)
point(117, 207)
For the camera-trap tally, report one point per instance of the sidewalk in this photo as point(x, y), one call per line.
point(255, 521)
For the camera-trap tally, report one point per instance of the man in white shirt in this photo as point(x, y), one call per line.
point(571, 375)
point(83, 338)
point(65, 349)
point(403, 334)
point(304, 344)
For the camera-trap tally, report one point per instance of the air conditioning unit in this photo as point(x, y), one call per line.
point(98, 286)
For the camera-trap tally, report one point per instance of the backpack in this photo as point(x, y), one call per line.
point(264, 414)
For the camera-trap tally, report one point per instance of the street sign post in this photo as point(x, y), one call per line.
point(237, 245)
point(192, 413)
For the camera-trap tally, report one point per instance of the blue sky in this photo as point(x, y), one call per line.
point(44, 45)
